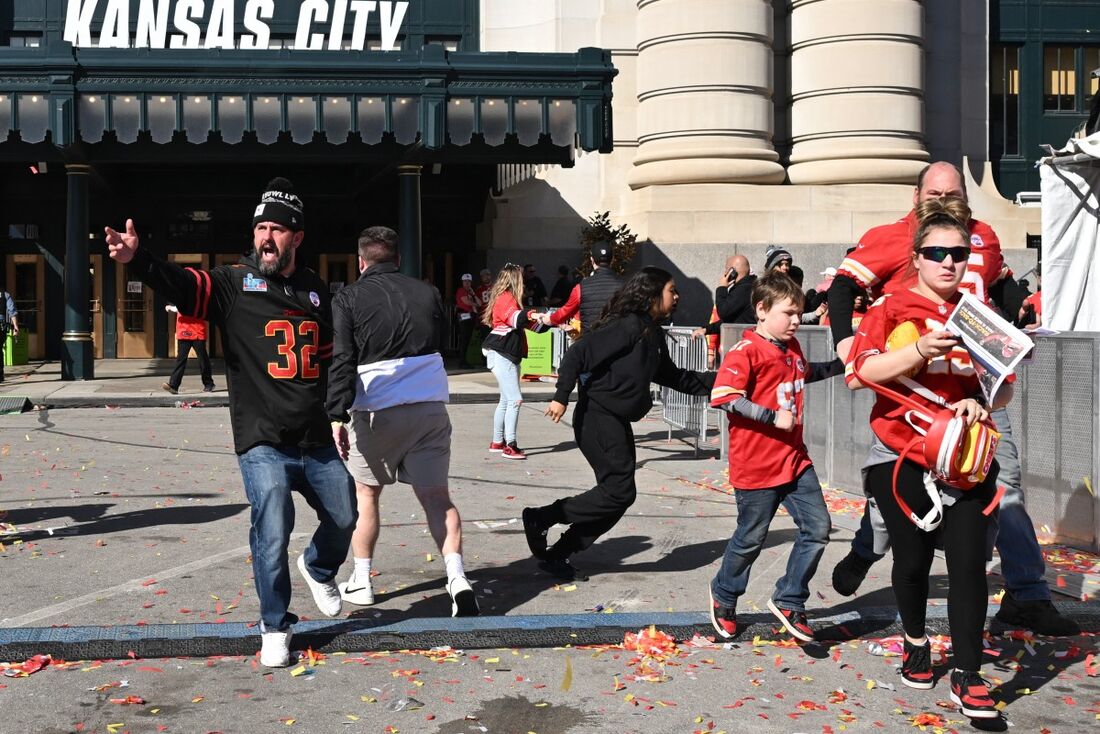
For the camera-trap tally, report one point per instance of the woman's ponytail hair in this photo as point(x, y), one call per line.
point(947, 213)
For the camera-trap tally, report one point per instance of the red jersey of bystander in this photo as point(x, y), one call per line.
point(763, 456)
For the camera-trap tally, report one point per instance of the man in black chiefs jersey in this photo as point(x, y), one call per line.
point(277, 331)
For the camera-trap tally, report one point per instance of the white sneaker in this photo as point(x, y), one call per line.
point(357, 592)
point(275, 652)
point(463, 600)
point(326, 596)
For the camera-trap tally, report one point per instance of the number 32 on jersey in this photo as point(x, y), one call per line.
point(288, 367)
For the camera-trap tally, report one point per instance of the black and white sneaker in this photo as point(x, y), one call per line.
point(916, 665)
point(463, 599)
point(357, 591)
point(536, 534)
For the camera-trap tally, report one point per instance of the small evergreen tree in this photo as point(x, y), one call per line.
point(599, 231)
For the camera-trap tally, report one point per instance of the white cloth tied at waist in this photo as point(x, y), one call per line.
point(401, 381)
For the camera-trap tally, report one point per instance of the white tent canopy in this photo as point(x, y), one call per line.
point(1071, 230)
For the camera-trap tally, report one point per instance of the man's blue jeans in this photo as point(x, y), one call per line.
point(755, 510)
point(270, 473)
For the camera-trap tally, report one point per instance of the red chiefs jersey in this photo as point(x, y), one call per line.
point(189, 329)
point(763, 456)
point(883, 259)
point(896, 321)
point(481, 293)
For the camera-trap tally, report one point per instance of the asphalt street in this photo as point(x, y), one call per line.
point(133, 517)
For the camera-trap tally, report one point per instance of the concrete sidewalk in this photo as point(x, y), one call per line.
point(137, 383)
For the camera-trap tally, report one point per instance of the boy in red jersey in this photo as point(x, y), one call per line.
point(760, 386)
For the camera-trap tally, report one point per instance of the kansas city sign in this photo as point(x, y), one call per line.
point(196, 24)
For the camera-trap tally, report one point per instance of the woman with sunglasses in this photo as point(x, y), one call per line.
point(902, 341)
point(504, 348)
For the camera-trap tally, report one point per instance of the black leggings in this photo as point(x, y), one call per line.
point(963, 535)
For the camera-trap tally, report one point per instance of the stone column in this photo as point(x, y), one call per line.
point(408, 181)
point(857, 91)
point(77, 358)
point(705, 110)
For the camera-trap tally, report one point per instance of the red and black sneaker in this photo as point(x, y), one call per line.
point(916, 665)
point(496, 446)
point(795, 622)
point(511, 451)
point(723, 618)
point(970, 691)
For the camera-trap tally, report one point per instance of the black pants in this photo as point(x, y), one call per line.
point(963, 534)
point(183, 349)
point(465, 333)
point(607, 442)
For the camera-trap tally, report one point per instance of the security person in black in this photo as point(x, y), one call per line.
point(589, 297)
point(277, 330)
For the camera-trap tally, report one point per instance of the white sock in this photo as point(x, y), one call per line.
point(362, 568)
point(454, 565)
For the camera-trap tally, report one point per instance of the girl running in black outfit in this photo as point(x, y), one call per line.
point(614, 364)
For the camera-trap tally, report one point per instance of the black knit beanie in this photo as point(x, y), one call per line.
point(280, 205)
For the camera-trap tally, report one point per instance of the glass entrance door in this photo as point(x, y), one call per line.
point(135, 316)
point(26, 284)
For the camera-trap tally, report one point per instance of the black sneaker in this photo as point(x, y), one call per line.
point(850, 572)
point(168, 388)
point(916, 665)
point(536, 534)
point(562, 569)
point(970, 691)
point(208, 388)
point(723, 618)
point(1040, 616)
point(795, 622)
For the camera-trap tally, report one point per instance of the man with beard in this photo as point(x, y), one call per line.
point(277, 327)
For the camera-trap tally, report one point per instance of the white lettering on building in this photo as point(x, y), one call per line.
point(195, 24)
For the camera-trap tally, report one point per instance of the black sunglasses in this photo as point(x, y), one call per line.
point(939, 254)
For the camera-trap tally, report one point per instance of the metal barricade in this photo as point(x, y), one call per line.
point(1055, 418)
point(683, 412)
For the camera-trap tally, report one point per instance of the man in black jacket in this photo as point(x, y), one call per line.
point(387, 400)
point(732, 297)
point(589, 297)
point(276, 325)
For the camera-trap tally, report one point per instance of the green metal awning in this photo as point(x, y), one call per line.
point(449, 105)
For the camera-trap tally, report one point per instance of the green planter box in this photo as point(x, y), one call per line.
point(15, 349)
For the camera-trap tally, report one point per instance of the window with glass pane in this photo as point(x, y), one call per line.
point(337, 119)
point(5, 115)
point(1059, 79)
point(133, 304)
point(372, 119)
point(302, 116)
point(91, 112)
point(196, 118)
point(563, 122)
point(33, 117)
point(528, 121)
point(460, 121)
point(1092, 64)
point(161, 117)
point(1004, 103)
point(26, 296)
point(494, 120)
point(231, 118)
point(406, 119)
point(267, 118)
point(125, 117)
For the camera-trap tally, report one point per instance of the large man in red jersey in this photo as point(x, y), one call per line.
point(881, 263)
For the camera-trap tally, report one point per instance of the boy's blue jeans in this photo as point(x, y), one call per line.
point(755, 510)
point(269, 474)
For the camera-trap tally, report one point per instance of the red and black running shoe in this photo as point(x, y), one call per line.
point(970, 691)
point(795, 622)
point(916, 665)
point(723, 618)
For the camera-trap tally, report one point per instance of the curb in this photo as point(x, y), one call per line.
point(521, 631)
point(222, 401)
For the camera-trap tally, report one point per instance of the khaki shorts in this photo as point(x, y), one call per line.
point(410, 444)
